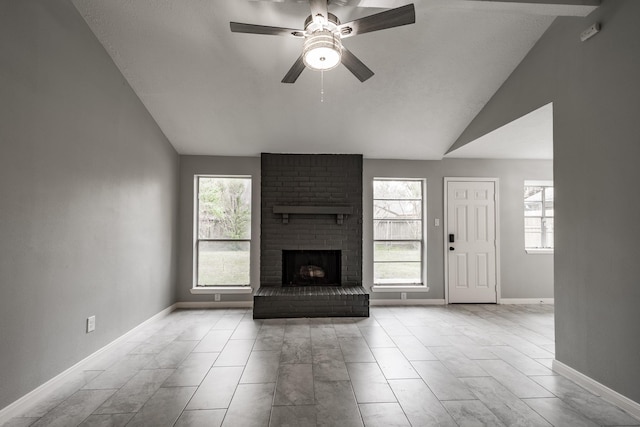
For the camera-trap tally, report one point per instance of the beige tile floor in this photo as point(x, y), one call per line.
point(458, 365)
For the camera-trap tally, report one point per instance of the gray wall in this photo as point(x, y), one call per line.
point(88, 197)
point(522, 275)
point(214, 165)
point(595, 91)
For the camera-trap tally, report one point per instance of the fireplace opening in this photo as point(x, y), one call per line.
point(311, 268)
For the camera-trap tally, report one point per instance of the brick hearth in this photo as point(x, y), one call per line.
point(310, 301)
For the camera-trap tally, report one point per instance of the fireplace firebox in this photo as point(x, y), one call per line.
point(311, 267)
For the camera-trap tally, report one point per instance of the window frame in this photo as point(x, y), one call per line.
point(402, 286)
point(221, 288)
point(543, 216)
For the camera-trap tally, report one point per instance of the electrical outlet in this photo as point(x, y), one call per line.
point(91, 324)
point(403, 295)
point(216, 297)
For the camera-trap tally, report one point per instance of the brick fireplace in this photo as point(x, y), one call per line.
point(311, 212)
point(304, 200)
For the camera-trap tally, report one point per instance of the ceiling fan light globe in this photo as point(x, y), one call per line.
point(322, 58)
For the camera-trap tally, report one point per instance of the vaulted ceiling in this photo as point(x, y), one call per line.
point(213, 92)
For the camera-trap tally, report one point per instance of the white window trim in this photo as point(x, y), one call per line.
point(215, 289)
point(221, 289)
point(539, 251)
point(404, 287)
point(539, 183)
point(400, 288)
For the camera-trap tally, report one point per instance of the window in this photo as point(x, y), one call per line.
point(538, 215)
point(398, 232)
point(223, 230)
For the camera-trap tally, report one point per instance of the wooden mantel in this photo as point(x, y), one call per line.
point(338, 211)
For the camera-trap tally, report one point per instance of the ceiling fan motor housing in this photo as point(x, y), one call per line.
point(322, 48)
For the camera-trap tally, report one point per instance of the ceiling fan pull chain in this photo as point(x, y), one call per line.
point(321, 85)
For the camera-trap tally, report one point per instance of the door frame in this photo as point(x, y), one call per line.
point(445, 246)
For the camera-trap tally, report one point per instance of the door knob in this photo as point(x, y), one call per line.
point(451, 248)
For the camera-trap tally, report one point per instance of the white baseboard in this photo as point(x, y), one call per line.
point(611, 396)
point(215, 304)
point(526, 301)
point(377, 302)
point(19, 406)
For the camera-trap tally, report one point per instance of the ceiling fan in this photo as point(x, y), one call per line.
point(323, 33)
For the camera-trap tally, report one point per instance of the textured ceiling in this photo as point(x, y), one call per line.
point(213, 92)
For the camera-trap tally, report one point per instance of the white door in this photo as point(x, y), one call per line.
point(471, 241)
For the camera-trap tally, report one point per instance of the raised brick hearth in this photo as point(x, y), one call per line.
point(310, 301)
point(311, 203)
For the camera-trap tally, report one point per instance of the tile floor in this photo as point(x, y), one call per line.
point(458, 365)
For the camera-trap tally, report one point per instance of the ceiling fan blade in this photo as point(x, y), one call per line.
point(319, 7)
point(294, 72)
point(237, 27)
point(403, 15)
point(353, 64)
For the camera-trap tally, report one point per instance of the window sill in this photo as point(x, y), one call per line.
point(399, 288)
point(208, 290)
point(539, 251)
